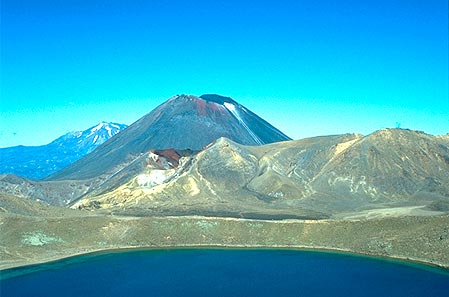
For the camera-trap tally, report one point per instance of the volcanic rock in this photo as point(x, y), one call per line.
point(183, 122)
point(317, 177)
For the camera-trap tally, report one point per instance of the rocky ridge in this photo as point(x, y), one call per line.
point(311, 178)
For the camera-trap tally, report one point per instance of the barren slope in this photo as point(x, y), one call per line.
point(311, 178)
point(182, 122)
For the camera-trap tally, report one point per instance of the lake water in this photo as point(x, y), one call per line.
point(209, 272)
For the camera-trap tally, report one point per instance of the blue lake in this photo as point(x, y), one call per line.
point(221, 272)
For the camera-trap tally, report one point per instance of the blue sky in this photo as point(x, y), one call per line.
point(308, 67)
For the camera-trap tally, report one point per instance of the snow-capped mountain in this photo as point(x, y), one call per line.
point(86, 141)
point(37, 162)
point(182, 122)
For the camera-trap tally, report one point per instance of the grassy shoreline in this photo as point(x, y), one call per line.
point(26, 241)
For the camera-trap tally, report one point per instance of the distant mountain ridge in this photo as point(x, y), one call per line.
point(178, 160)
point(182, 122)
point(310, 178)
point(37, 162)
point(391, 171)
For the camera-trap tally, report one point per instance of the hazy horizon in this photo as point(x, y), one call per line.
point(308, 68)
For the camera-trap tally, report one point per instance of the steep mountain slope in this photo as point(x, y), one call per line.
point(390, 167)
point(391, 163)
point(37, 162)
point(310, 178)
point(183, 122)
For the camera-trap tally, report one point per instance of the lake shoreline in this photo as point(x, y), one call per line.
point(417, 263)
point(225, 271)
point(378, 238)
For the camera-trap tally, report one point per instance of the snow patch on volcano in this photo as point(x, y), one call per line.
point(232, 109)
